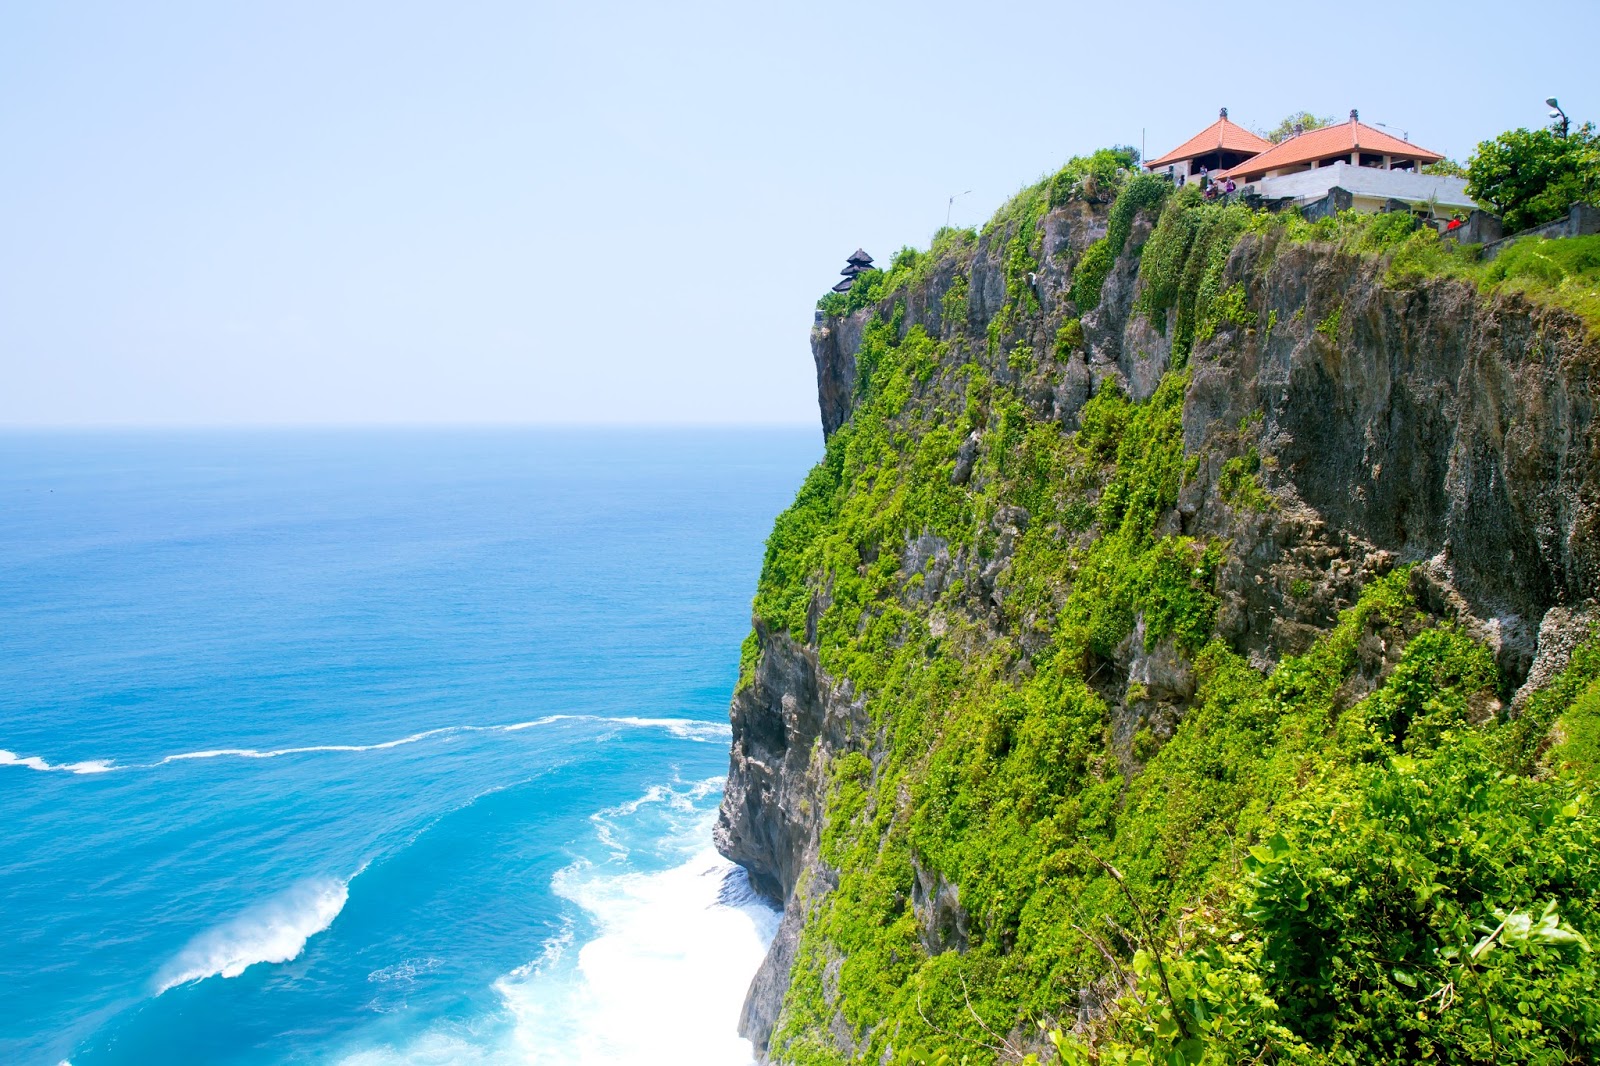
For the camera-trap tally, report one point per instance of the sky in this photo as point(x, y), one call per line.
point(395, 213)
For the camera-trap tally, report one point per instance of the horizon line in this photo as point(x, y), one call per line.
point(126, 427)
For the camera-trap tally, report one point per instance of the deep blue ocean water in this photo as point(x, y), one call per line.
point(375, 747)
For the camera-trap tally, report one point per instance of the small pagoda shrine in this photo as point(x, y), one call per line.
point(858, 263)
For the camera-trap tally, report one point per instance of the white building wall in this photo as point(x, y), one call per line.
point(1368, 184)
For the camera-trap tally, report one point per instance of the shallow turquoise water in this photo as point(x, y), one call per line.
point(375, 746)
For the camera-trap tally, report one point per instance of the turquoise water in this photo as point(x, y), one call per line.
point(375, 747)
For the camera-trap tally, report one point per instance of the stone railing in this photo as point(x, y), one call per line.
point(1581, 221)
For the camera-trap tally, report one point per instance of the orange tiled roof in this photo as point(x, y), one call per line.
point(1339, 139)
point(1221, 135)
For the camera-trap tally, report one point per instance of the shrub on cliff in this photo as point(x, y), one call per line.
point(1094, 178)
point(1414, 903)
point(1529, 177)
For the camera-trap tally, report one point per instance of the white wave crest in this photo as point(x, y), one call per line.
point(33, 762)
point(683, 728)
point(252, 753)
point(273, 931)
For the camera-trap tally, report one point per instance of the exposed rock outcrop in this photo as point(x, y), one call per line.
point(788, 721)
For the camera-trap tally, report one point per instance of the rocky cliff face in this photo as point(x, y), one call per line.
point(1372, 425)
point(788, 722)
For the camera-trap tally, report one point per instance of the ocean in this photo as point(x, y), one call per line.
point(376, 747)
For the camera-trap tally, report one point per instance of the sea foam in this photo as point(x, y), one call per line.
point(33, 762)
point(663, 979)
point(682, 728)
point(275, 930)
point(655, 972)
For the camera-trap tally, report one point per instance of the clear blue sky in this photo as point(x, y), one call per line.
point(290, 212)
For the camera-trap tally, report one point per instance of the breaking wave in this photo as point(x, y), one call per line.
point(661, 981)
point(33, 762)
point(682, 728)
point(273, 931)
point(654, 971)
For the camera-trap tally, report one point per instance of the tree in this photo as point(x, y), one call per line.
point(1285, 129)
point(1530, 177)
point(1447, 168)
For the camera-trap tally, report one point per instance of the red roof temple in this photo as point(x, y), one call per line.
point(1348, 166)
point(1216, 148)
point(1349, 142)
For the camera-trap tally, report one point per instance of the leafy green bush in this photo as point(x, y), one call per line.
point(1579, 728)
point(1092, 177)
point(1304, 119)
point(1069, 338)
point(1533, 176)
point(869, 287)
point(1414, 907)
point(1239, 484)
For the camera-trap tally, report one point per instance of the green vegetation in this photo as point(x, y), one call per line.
point(1094, 178)
point(1579, 729)
point(1303, 868)
point(909, 268)
point(1563, 273)
point(1285, 129)
point(864, 292)
point(1141, 193)
point(1365, 885)
point(1529, 177)
point(983, 753)
point(1182, 266)
point(1414, 903)
point(1069, 338)
point(1239, 484)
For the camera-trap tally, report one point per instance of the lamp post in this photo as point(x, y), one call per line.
point(951, 207)
point(1557, 113)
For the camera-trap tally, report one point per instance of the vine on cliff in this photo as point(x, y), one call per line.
point(1182, 268)
point(1144, 192)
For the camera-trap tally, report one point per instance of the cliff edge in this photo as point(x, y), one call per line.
point(1098, 479)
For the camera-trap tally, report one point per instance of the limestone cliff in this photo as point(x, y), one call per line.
point(1336, 424)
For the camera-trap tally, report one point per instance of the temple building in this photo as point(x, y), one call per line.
point(1350, 142)
point(1345, 166)
point(1216, 148)
point(858, 263)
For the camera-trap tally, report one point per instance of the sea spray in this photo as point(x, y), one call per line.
point(662, 980)
point(651, 965)
point(272, 931)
